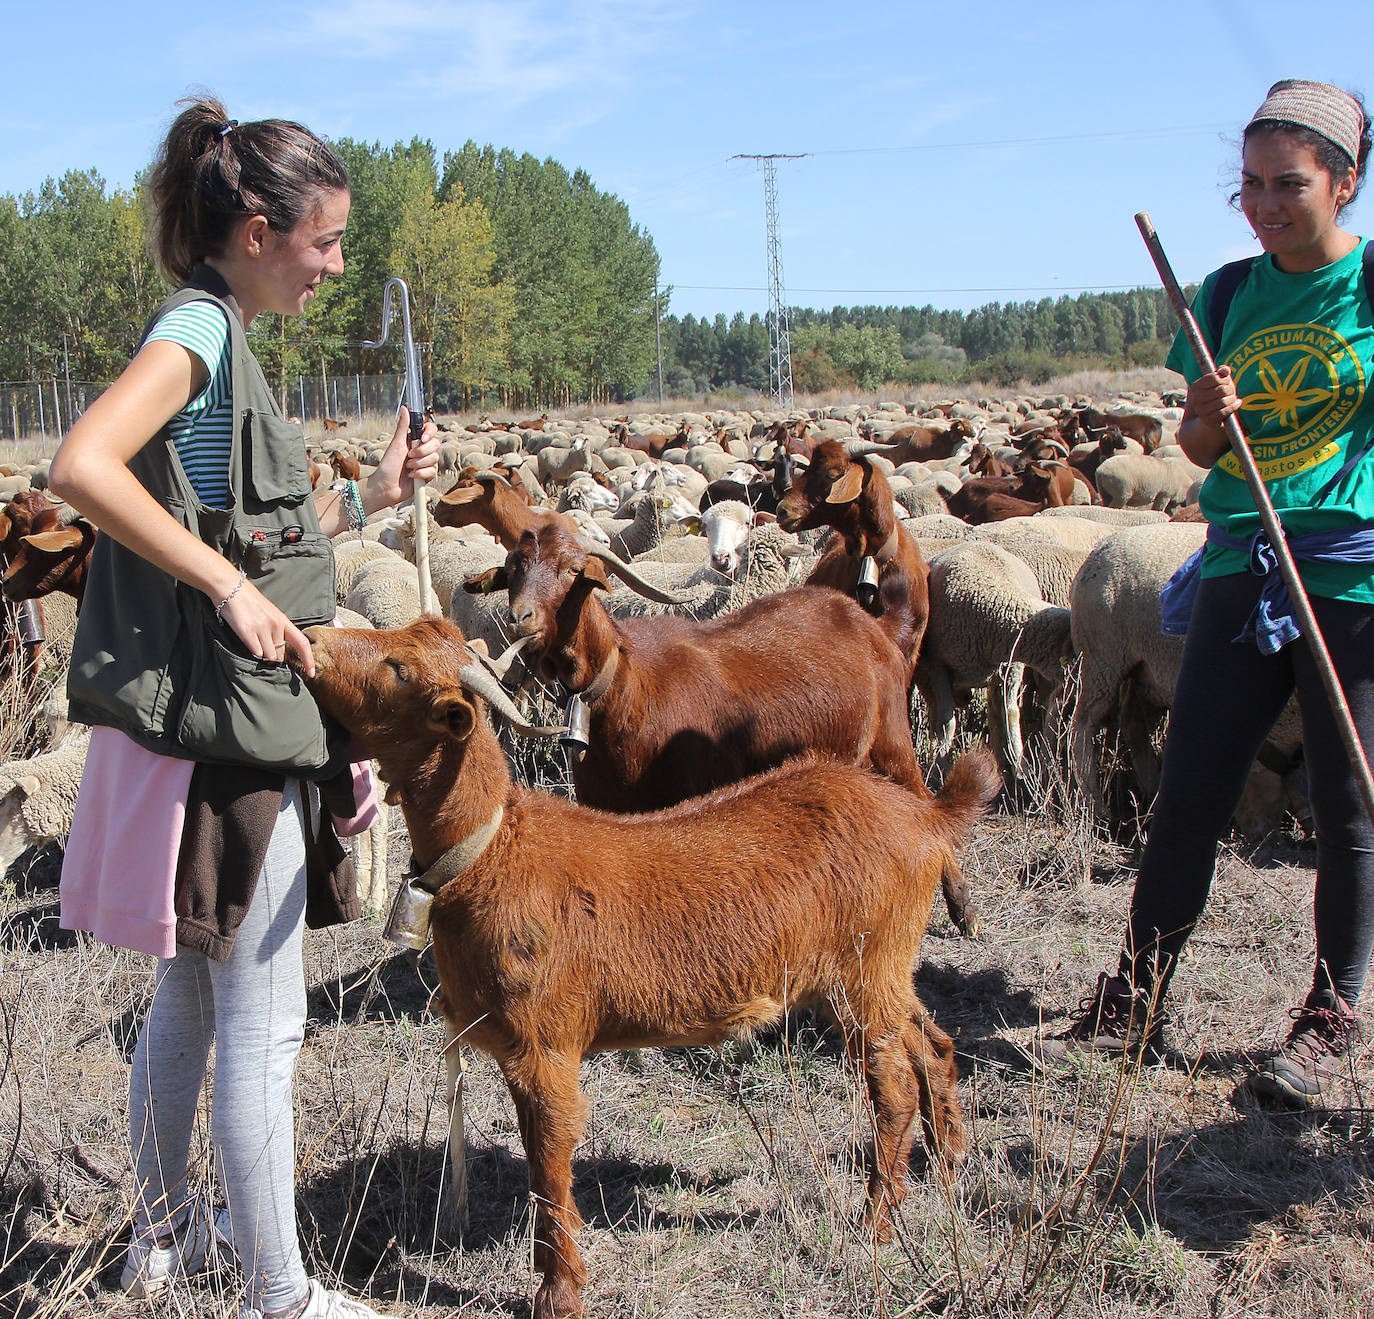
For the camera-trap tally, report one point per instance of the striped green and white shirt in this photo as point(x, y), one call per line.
point(203, 430)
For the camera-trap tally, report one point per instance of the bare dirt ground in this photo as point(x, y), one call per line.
point(731, 1184)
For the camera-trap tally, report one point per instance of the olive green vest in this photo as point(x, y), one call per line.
point(150, 657)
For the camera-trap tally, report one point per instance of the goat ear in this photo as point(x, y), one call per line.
point(455, 714)
point(847, 488)
point(595, 572)
point(54, 542)
point(484, 583)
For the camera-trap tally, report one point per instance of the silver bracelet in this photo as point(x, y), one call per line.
point(238, 586)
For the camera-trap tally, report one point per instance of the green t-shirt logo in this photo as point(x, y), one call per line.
point(1301, 385)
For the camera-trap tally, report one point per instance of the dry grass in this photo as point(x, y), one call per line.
point(731, 1184)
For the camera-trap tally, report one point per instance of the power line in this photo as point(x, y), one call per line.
point(1058, 139)
point(1029, 288)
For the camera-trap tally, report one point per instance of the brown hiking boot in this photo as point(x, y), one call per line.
point(1113, 1021)
point(1311, 1057)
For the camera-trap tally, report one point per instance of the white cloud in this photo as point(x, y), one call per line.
point(453, 50)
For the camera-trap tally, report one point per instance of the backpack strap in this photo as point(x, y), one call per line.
point(1222, 293)
point(1232, 275)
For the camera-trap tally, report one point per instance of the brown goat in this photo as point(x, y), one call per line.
point(853, 496)
point(345, 465)
point(1090, 423)
point(47, 561)
point(25, 515)
point(574, 932)
point(492, 502)
point(680, 706)
point(918, 444)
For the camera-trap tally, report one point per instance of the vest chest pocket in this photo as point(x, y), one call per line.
point(275, 468)
point(241, 710)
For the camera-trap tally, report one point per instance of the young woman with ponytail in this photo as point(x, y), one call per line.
point(199, 833)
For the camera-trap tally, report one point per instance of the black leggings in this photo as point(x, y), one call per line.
point(1227, 699)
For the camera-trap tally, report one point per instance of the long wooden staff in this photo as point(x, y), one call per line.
point(1302, 606)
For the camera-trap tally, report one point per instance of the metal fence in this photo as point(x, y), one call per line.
point(44, 410)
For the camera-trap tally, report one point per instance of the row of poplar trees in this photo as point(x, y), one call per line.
point(529, 285)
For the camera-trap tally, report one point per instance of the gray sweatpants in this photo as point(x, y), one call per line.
point(253, 1007)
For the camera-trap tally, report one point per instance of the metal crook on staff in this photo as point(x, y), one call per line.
point(415, 402)
point(1273, 528)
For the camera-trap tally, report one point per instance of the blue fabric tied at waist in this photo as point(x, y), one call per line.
point(1271, 624)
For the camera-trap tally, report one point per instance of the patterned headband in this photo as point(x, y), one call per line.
point(1325, 109)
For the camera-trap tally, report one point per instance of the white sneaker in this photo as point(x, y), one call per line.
point(181, 1250)
point(321, 1304)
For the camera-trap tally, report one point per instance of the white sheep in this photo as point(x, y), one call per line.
point(1130, 668)
point(349, 557)
point(769, 560)
point(38, 795)
point(988, 621)
point(724, 526)
point(386, 592)
point(1116, 631)
point(1112, 517)
point(1146, 481)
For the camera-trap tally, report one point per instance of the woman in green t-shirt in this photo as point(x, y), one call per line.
point(1294, 348)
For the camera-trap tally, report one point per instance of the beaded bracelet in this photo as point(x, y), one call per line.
point(238, 586)
point(352, 500)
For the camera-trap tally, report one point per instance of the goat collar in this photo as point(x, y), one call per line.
point(888, 547)
point(458, 857)
point(601, 684)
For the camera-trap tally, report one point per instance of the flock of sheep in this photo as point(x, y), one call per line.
point(1015, 603)
point(677, 573)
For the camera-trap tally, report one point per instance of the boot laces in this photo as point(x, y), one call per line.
point(1319, 1032)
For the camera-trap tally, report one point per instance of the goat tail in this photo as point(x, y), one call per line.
point(970, 788)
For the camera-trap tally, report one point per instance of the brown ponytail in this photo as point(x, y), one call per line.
point(212, 171)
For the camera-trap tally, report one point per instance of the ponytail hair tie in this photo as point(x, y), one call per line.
point(224, 129)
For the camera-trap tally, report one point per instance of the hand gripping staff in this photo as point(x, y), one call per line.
point(415, 402)
point(1302, 606)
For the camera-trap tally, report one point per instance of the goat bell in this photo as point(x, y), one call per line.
point(866, 592)
point(408, 924)
point(30, 623)
point(577, 732)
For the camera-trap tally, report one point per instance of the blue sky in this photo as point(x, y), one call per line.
point(962, 153)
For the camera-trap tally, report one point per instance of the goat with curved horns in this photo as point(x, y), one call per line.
point(572, 931)
point(679, 706)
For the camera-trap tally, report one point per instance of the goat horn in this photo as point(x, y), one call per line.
point(476, 679)
point(500, 666)
point(862, 448)
point(631, 578)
